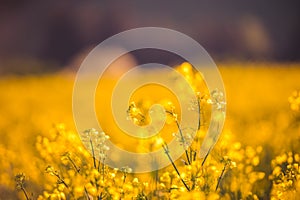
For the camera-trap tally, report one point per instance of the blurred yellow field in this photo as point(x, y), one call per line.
point(256, 157)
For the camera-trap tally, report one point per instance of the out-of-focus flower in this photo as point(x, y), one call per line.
point(95, 141)
point(126, 169)
point(20, 180)
point(294, 101)
point(217, 100)
point(285, 176)
point(185, 137)
point(135, 114)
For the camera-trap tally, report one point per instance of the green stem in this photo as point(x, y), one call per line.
point(177, 171)
point(61, 180)
point(183, 140)
point(205, 157)
point(99, 165)
point(74, 165)
point(93, 153)
point(25, 193)
point(78, 171)
point(103, 169)
point(86, 193)
point(220, 177)
point(125, 175)
point(194, 157)
point(199, 119)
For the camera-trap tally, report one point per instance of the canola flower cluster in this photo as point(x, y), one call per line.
point(286, 176)
point(294, 101)
point(75, 174)
point(230, 171)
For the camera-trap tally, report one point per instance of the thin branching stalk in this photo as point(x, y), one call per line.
point(86, 193)
point(156, 179)
point(187, 156)
point(101, 196)
point(183, 140)
point(25, 193)
point(99, 165)
point(103, 169)
point(195, 176)
point(73, 164)
point(206, 156)
point(93, 153)
point(195, 155)
point(199, 110)
point(165, 147)
point(77, 169)
point(94, 162)
point(181, 136)
point(210, 148)
point(61, 180)
point(20, 181)
point(125, 175)
point(221, 176)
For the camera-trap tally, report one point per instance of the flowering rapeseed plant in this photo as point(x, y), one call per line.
point(234, 169)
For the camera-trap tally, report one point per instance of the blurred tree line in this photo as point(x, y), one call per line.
point(55, 33)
